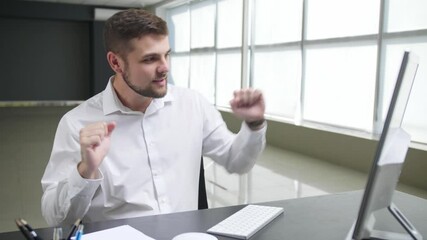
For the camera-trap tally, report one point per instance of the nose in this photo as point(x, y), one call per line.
point(163, 66)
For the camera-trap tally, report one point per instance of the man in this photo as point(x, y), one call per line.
point(135, 148)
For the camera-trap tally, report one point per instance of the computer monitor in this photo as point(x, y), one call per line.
point(389, 157)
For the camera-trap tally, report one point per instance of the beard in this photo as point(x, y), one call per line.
point(148, 91)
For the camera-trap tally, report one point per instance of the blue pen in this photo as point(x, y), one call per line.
point(75, 226)
point(79, 232)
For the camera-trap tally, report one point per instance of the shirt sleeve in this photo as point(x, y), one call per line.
point(236, 152)
point(66, 195)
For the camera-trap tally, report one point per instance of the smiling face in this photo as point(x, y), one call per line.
point(141, 73)
point(146, 67)
point(138, 51)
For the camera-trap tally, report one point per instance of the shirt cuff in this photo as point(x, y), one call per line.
point(261, 130)
point(254, 135)
point(82, 187)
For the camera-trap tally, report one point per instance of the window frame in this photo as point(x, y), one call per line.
point(247, 65)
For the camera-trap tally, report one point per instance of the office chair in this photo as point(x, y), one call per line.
point(203, 199)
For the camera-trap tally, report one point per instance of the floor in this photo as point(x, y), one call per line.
point(280, 175)
point(277, 175)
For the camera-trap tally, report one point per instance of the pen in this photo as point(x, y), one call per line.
point(75, 225)
point(23, 230)
point(31, 230)
point(57, 233)
point(79, 232)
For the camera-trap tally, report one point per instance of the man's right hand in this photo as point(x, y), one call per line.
point(94, 145)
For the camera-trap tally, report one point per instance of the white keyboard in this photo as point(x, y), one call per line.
point(246, 222)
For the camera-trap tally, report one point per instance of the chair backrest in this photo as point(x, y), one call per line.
point(203, 199)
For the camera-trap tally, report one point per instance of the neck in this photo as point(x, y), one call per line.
point(128, 97)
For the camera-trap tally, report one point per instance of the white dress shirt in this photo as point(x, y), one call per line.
point(153, 163)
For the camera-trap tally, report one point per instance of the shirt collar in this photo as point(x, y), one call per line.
point(111, 102)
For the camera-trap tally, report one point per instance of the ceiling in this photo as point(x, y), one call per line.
point(109, 3)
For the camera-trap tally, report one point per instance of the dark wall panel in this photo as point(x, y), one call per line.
point(45, 10)
point(101, 70)
point(44, 59)
point(51, 51)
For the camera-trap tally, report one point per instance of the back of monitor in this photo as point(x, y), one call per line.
point(388, 161)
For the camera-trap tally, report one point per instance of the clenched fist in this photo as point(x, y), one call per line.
point(248, 104)
point(94, 145)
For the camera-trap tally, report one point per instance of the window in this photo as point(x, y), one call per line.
point(337, 18)
point(228, 48)
point(406, 15)
point(180, 70)
point(277, 21)
point(179, 22)
point(276, 65)
point(229, 23)
point(336, 92)
point(328, 62)
point(202, 74)
point(228, 76)
point(202, 24)
point(278, 74)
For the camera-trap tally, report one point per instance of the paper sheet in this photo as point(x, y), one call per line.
point(121, 232)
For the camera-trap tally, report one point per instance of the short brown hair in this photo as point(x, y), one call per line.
point(129, 24)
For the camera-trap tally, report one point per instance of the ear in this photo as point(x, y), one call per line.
point(116, 63)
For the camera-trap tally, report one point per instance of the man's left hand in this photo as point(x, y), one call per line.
point(248, 105)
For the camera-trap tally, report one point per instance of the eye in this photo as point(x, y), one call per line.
point(148, 59)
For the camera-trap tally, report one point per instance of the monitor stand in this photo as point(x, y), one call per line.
point(371, 233)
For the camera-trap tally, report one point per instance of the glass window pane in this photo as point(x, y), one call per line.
point(337, 18)
point(202, 74)
point(179, 28)
point(229, 32)
point(179, 70)
point(278, 74)
point(203, 24)
point(228, 76)
point(406, 15)
point(277, 21)
point(340, 86)
point(416, 112)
